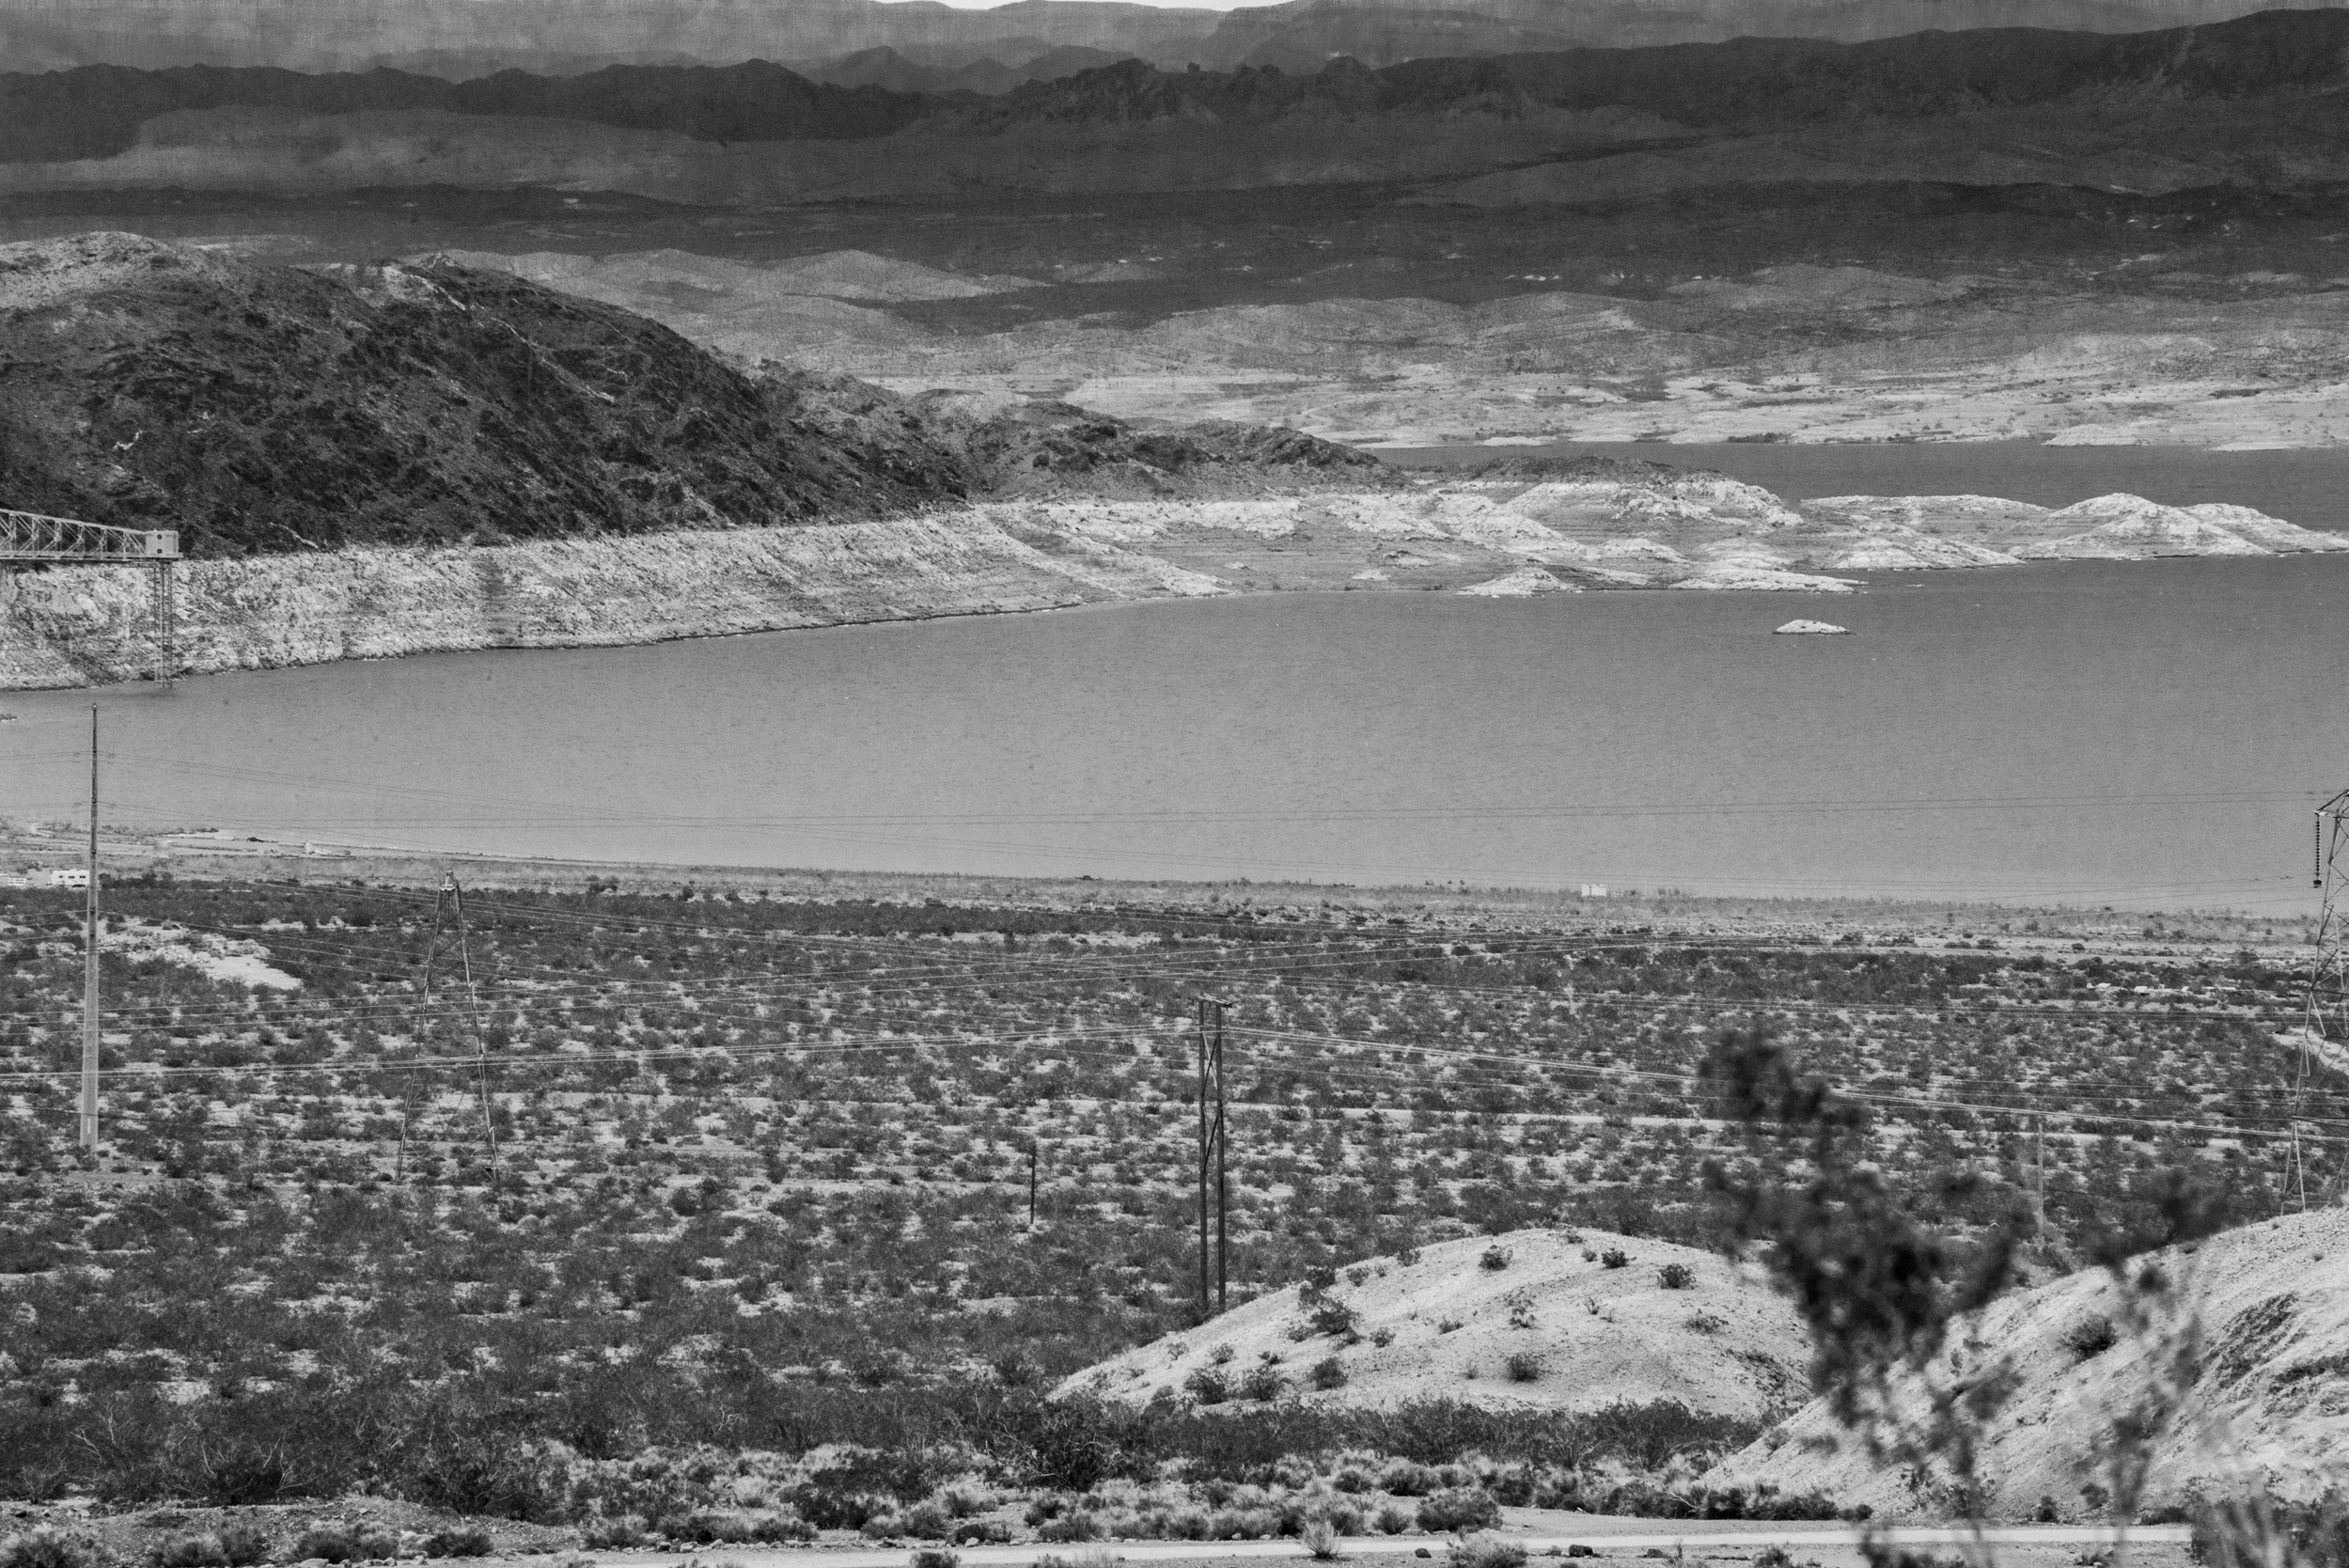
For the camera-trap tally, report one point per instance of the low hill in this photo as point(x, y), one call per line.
point(1536, 1319)
point(2270, 1304)
point(263, 408)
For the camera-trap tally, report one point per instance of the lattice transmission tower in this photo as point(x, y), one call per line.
point(448, 939)
point(2324, 1020)
point(2329, 970)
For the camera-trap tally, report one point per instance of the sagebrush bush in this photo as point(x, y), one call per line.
point(1459, 1508)
point(1393, 1519)
point(1333, 1317)
point(1613, 1257)
point(1407, 1480)
point(1486, 1551)
point(621, 1534)
point(47, 1546)
point(1263, 1382)
point(201, 1550)
point(345, 1541)
point(2092, 1336)
point(935, 1557)
point(1068, 1528)
point(244, 1545)
point(1676, 1277)
point(926, 1521)
point(460, 1541)
point(1523, 1367)
point(1327, 1373)
point(706, 1527)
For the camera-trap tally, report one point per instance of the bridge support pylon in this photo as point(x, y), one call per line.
point(29, 539)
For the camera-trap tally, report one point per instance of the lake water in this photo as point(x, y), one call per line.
point(2149, 734)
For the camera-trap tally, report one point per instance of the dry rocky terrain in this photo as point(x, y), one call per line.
point(1559, 1320)
point(2148, 352)
point(2262, 1315)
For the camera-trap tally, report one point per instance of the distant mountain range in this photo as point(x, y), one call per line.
point(1747, 85)
point(459, 39)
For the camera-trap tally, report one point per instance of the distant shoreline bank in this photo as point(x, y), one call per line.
point(74, 627)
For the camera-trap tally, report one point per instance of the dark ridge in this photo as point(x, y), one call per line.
point(1590, 465)
point(1132, 91)
point(1760, 81)
point(754, 102)
point(1922, 74)
point(261, 409)
point(1043, 449)
point(95, 110)
point(264, 409)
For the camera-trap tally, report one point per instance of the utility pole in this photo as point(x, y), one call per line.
point(89, 956)
point(1214, 1265)
point(1031, 1186)
point(1223, 1188)
point(2038, 1171)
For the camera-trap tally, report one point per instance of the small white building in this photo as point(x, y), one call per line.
point(69, 876)
point(1592, 889)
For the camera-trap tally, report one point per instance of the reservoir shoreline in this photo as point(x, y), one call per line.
point(81, 626)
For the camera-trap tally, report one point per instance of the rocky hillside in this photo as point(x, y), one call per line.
point(1556, 1320)
point(259, 408)
point(429, 402)
point(2270, 1306)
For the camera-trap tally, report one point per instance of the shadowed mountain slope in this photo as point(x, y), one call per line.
point(463, 39)
point(1750, 85)
point(268, 409)
point(1755, 82)
point(263, 409)
point(96, 112)
point(886, 67)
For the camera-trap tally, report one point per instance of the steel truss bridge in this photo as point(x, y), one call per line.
point(28, 540)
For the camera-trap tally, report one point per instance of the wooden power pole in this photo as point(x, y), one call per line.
point(1223, 1190)
point(89, 966)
